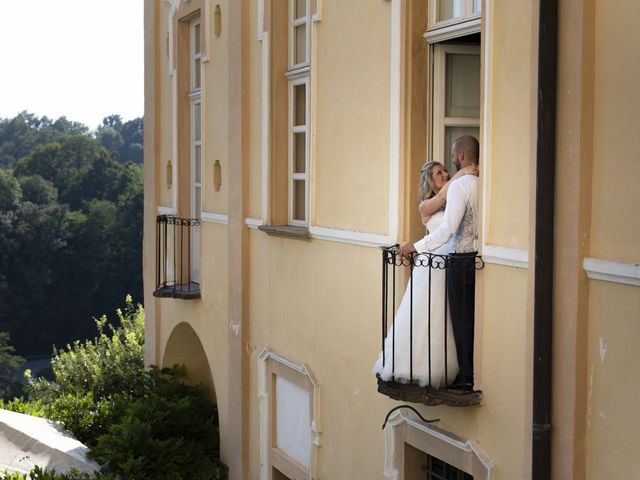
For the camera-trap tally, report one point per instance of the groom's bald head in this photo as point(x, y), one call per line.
point(465, 151)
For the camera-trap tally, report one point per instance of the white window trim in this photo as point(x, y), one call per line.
point(296, 22)
point(195, 97)
point(264, 393)
point(610, 271)
point(467, 14)
point(465, 455)
point(294, 82)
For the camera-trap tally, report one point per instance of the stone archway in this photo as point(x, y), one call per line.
point(184, 347)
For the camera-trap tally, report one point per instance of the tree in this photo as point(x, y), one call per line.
point(70, 229)
point(9, 365)
point(10, 192)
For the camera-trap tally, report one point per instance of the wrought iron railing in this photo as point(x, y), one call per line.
point(175, 257)
point(418, 358)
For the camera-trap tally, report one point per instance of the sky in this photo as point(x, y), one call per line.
point(82, 59)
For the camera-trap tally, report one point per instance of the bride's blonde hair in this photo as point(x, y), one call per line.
point(426, 187)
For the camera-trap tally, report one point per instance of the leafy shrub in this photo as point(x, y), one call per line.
point(38, 474)
point(138, 424)
point(105, 365)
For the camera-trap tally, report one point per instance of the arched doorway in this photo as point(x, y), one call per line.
point(184, 347)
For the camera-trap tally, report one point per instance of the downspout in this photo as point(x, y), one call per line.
point(544, 239)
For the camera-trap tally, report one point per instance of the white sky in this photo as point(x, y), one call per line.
point(82, 59)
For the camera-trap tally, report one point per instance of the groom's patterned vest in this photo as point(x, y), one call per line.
point(465, 240)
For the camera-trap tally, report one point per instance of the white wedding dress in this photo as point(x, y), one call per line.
point(398, 369)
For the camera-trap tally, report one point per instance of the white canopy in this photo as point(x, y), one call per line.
point(27, 441)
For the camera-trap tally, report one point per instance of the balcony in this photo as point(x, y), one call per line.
point(418, 361)
point(176, 239)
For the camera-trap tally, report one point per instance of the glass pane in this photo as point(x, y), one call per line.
point(300, 104)
point(196, 39)
point(197, 164)
point(293, 420)
point(449, 9)
point(451, 134)
point(477, 6)
point(197, 205)
point(462, 96)
point(300, 44)
point(197, 122)
point(196, 74)
point(299, 156)
point(300, 8)
point(299, 198)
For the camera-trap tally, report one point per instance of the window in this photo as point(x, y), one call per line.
point(298, 76)
point(443, 13)
point(287, 129)
point(195, 96)
point(456, 97)
point(415, 450)
point(289, 430)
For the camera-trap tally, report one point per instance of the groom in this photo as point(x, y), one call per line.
point(459, 222)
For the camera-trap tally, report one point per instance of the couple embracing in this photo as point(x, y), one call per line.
point(449, 209)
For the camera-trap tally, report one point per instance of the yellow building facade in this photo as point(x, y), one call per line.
point(283, 143)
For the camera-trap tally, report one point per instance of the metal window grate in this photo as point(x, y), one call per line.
point(437, 469)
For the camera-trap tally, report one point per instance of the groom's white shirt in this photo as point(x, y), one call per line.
point(459, 219)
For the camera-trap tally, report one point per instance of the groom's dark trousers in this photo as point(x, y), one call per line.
point(461, 288)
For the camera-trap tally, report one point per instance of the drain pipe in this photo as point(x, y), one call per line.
point(544, 239)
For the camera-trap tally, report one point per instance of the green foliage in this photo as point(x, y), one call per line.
point(169, 432)
point(9, 363)
point(10, 193)
point(39, 474)
point(110, 363)
point(139, 424)
point(70, 228)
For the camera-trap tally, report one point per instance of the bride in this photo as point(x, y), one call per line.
point(428, 352)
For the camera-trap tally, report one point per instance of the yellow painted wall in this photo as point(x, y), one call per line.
point(318, 303)
point(512, 114)
point(615, 225)
point(208, 316)
point(503, 369)
point(613, 416)
point(164, 140)
point(255, 117)
point(215, 116)
point(613, 422)
point(352, 91)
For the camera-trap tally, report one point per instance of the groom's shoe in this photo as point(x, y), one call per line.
point(463, 384)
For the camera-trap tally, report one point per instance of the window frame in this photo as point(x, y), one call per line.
point(439, 120)
point(195, 137)
point(464, 454)
point(468, 13)
point(270, 366)
point(298, 74)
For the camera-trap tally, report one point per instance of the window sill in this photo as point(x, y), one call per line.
point(189, 291)
point(289, 231)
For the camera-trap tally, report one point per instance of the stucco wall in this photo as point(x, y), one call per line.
point(511, 116)
point(352, 107)
point(615, 226)
point(164, 139)
point(215, 116)
point(613, 417)
point(318, 303)
point(613, 422)
point(208, 317)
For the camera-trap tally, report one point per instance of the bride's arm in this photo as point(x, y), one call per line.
point(429, 206)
